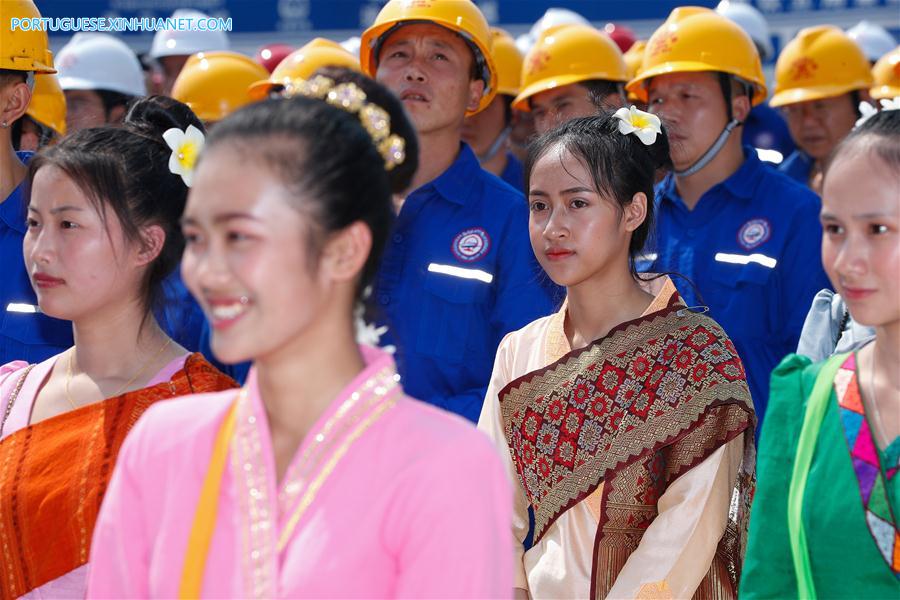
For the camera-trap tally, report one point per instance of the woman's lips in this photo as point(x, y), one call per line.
point(44, 281)
point(559, 254)
point(857, 293)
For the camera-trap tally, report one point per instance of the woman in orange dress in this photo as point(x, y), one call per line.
point(103, 233)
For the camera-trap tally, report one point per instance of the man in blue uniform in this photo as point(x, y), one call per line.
point(745, 237)
point(25, 333)
point(459, 272)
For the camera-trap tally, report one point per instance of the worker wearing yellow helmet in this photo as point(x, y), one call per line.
point(820, 78)
point(488, 131)
point(886, 74)
point(45, 120)
point(214, 84)
point(302, 63)
point(570, 72)
point(25, 332)
point(746, 236)
point(459, 273)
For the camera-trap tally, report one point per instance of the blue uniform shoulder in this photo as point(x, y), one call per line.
point(500, 191)
point(776, 187)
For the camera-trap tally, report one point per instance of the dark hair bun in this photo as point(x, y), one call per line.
point(402, 174)
point(659, 150)
point(156, 114)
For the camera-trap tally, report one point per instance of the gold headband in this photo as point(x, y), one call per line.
point(349, 97)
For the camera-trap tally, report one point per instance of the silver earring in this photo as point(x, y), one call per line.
point(4, 124)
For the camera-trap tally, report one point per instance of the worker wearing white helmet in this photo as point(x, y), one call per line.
point(875, 40)
point(173, 47)
point(751, 21)
point(99, 75)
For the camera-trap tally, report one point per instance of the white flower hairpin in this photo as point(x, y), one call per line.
point(867, 110)
point(644, 125)
point(186, 146)
point(369, 334)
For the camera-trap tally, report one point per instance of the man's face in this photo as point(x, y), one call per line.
point(554, 107)
point(84, 108)
point(817, 126)
point(693, 111)
point(171, 67)
point(430, 69)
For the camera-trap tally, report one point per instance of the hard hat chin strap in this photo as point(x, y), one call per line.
point(496, 146)
point(712, 152)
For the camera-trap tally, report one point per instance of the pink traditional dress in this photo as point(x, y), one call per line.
point(385, 497)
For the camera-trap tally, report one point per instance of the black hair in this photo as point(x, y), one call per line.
point(620, 165)
point(600, 89)
point(11, 75)
point(126, 170)
point(879, 134)
point(322, 152)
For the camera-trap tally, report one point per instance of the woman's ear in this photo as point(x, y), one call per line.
point(635, 212)
point(153, 238)
point(346, 252)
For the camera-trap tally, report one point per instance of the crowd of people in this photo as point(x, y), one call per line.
point(438, 312)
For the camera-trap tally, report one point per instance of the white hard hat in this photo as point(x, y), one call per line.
point(351, 45)
point(173, 42)
point(874, 39)
point(98, 61)
point(751, 21)
point(524, 43)
point(554, 17)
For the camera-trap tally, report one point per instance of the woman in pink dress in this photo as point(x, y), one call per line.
point(319, 478)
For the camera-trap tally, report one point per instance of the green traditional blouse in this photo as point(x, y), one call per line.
point(850, 501)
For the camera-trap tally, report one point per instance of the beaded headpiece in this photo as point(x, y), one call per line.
point(349, 97)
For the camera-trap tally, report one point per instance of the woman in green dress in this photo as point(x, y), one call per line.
point(825, 519)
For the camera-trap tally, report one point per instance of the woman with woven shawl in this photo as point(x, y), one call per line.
point(824, 521)
point(624, 419)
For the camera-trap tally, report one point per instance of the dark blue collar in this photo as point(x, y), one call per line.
point(456, 184)
point(741, 184)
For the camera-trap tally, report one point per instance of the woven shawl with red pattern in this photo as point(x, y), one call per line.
point(634, 410)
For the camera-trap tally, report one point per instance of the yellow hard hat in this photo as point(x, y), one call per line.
point(633, 60)
point(23, 49)
point(887, 76)
point(508, 61)
point(460, 16)
point(695, 39)
point(821, 62)
point(569, 54)
point(302, 63)
point(48, 103)
point(635, 57)
point(214, 84)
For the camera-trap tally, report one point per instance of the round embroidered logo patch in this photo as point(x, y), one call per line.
point(754, 233)
point(471, 244)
